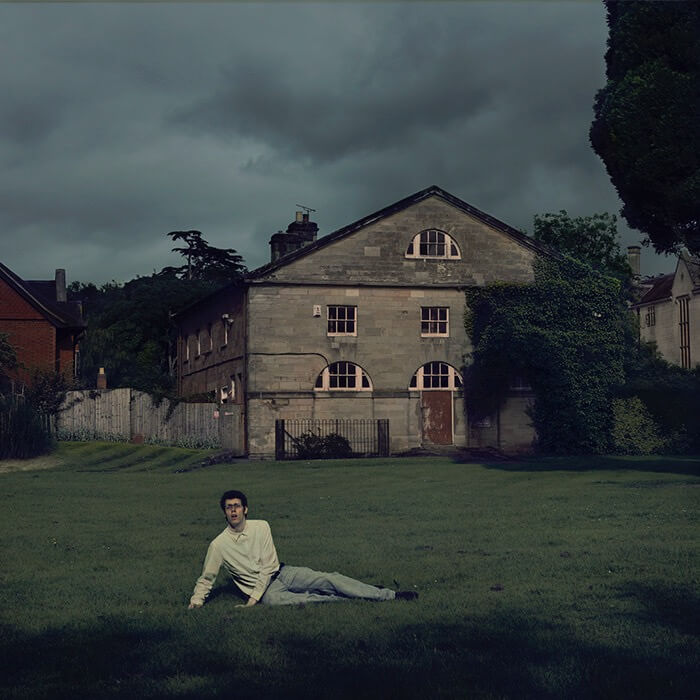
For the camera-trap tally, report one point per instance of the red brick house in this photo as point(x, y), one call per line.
point(42, 325)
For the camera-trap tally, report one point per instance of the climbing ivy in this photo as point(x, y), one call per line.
point(566, 334)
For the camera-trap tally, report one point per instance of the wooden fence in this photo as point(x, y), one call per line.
point(131, 415)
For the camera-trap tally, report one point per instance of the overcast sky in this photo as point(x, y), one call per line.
point(121, 122)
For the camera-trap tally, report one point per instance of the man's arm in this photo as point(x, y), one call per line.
point(269, 565)
point(210, 570)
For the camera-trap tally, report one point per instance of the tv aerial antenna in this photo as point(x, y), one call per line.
point(307, 210)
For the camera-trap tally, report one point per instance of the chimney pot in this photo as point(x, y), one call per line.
point(61, 285)
point(299, 217)
point(633, 259)
point(101, 379)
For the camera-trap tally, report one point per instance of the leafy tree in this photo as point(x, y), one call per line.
point(566, 334)
point(205, 262)
point(8, 356)
point(129, 331)
point(129, 328)
point(646, 127)
point(590, 239)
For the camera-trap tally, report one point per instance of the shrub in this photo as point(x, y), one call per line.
point(634, 430)
point(24, 432)
point(314, 446)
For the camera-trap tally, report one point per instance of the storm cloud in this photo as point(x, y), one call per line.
point(121, 122)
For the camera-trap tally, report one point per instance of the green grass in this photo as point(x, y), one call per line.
point(573, 578)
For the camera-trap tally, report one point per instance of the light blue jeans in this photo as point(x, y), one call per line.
point(298, 584)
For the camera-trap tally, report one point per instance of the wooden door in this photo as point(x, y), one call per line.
point(437, 417)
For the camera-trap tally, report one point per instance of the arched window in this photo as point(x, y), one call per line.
point(343, 376)
point(436, 375)
point(433, 243)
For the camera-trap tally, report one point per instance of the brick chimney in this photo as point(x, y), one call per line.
point(634, 253)
point(61, 285)
point(301, 232)
point(102, 379)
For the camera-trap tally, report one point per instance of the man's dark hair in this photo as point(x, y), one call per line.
point(233, 494)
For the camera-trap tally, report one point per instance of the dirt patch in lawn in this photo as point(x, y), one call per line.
point(28, 465)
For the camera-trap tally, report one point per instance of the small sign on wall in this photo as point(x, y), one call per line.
point(317, 309)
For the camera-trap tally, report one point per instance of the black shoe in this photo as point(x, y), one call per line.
point(406, 595)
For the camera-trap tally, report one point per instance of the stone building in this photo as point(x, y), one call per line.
point(365, 322)
point(669, 312)
point(42, 325)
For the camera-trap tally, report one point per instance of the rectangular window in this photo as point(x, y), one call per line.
point(224, 324)
point(432, 244)
point(210, 342)
point(343, 375)
point(684, 323)
point(199, 343)
point(434, 320)
point(342, 320)
point(650, 316)
point(436, 375)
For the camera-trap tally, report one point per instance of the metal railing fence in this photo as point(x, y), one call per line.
point(313, 438)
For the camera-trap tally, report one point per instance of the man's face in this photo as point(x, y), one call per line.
point(235, 513)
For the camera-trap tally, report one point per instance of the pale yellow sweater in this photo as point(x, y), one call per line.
point(249, 557)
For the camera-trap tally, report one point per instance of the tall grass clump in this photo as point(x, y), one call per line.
point(24, 432)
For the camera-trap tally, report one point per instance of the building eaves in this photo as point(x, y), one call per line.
point(59, 314)
point(394, 208)
point(661, 290)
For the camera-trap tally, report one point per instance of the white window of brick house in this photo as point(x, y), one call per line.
point(436, 375)
point(434, 321)
point(342, 320)
point(186, 344)
point(343, 376)
point(433, 243)
point(224, 339)
point(199, 343)
point(210, 339)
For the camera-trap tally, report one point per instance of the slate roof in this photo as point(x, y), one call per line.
point(660, 289)
point(41, 294)
point(402, 204)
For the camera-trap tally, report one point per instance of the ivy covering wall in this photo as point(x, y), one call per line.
point(567, 334)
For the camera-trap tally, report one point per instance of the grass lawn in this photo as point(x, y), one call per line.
point(538, 579)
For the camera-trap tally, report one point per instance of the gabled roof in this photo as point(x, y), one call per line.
point(432, 191)
point(41, 294)
point(692, 262)
point(660, 289)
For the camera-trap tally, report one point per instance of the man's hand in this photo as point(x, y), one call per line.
point(251, 602)
point(194, 606)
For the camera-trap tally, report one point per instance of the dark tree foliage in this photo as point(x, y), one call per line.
point(205, 262)
point(129, 329)
point(8, 356)
point(670, 393)
point(590, 239)
point(647, 118)
point(566, 334)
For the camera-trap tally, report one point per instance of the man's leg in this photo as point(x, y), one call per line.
point(301, 579)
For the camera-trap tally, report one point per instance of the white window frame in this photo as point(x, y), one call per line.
point(199, 342)
point(428, 243)
point(431, 323)
point(334, 309)
point(343, 372)
point(436, 375)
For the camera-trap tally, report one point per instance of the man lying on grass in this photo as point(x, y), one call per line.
point(247, 553)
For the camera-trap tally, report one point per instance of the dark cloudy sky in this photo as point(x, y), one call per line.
point(121, 122)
